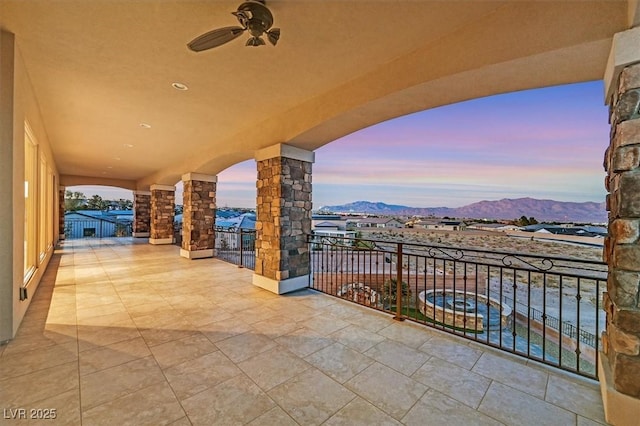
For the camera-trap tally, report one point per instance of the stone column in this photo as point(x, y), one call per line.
point(619, 363)
point(162, 214)
point(283, 219)
point(198, 216)
point(141, 214)
point(61, 211)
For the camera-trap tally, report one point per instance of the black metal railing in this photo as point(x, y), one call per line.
point(237, 246)
point(540, 307)
point(97, 228)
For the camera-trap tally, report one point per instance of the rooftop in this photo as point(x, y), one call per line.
point(164, 339)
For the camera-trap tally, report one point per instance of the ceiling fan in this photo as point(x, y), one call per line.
point(253, 16)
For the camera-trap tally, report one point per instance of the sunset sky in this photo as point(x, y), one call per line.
point(545, 143)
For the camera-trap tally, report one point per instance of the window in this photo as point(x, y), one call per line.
point(30, 203)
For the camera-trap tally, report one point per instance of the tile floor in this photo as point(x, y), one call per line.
point(122, 332)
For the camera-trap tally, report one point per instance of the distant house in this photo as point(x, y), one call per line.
point(441, 224)
point(502, 227)
point(378, 222)
point(333, 226)
point(98, 224)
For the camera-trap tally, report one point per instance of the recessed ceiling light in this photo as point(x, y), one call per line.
point(145, 125)
point(104, 173)
point(127, 145)
point(109, 167)
point(117, 158)
point(179, 86)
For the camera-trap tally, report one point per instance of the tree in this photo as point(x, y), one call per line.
point(74, 201)
point(124, 204)
point(97, 203)
point(524, 221)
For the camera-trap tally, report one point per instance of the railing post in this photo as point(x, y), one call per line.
point(241, 265)
point(399, 316)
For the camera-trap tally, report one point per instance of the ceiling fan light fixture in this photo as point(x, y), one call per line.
point(179, 86)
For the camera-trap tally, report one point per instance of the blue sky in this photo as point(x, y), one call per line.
point(544, 143)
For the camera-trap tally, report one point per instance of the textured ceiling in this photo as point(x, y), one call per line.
point(99, 68)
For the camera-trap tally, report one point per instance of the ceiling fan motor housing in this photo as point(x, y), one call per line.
point(255, 17)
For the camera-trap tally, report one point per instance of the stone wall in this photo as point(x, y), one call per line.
point(141, 213)
point(198, 217)
point(162, 214)
point(621, 341)
point(283, 218)
point(61, 211)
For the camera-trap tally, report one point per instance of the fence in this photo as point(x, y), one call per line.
point(540, 307)
point(236, 246)
point(96, 228)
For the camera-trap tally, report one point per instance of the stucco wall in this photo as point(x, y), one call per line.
point(16, 111)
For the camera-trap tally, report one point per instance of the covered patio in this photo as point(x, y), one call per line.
point(125, 332)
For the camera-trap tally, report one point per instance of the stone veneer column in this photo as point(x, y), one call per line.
point(61, 211)
point(162, 214)
point(141, 214)
point(198, 216)
point(619, 364)
point(283, 218)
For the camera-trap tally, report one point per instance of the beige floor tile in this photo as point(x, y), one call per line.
point(373, 321)
point(199, 374)
point(275, 326)
point(61, 409)
point(407, 334)
point(23, 390)
point(375, 383)
point(401, 358)
point(453, 351)
point(436, 409)
point(273, 367)
point(582, 421)
point(28, 342)
point(236, 401)
point(37, 359)
point(512, 373)
point(512, 407)
point(149, 308)
point(357, 338)
point(572, 396)
point(339, 362)
point(304, 341)
point(104, 357)
point(360, 413)
point(458, 383)
point(179, 351)
point(184, 421)
point(323, 325)
point(92, 337)
point(154, 405)
point(254, 315)
point(225, 328)
point(311, 397)
point(122, 319)
point(159, 335)
point(203, 316)
point(98, 310)
point(274, 417)
point(106, 385)
point(245, 346)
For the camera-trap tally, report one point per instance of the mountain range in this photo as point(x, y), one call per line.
point(541, 210)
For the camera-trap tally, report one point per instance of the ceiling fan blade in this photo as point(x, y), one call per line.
point(215, 38)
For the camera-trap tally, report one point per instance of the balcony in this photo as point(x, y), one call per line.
point(124, 332)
